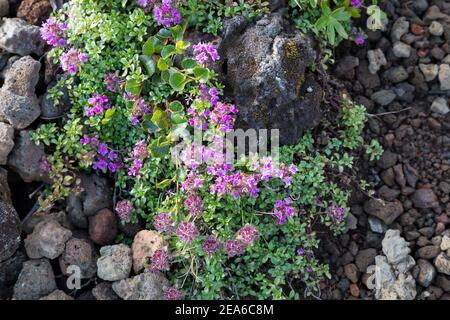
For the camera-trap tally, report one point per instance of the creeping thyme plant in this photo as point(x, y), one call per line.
point(234, 229)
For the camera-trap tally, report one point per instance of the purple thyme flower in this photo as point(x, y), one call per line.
point(100, 165)
point(113, 82)
point(283, 210)
point(140, 150)
point(160, 261)
point(205, 53)
point(85, 140)
point(224, 115)
point(193, 204)
point(163, 223)
point(53, 32)
point(44, 165)
point(211, 245)
point(234, 248)
point(356, 3)
point(135, 168)
point(336, 213)
point(103, 149)
point(124, 208)
point(300, 251)
point(247, 235)
point(98, 104)
point(167, 14)
point(145, 3)
point(187, 232)
point(174, 293)
point(360, 39)
point(71, 60)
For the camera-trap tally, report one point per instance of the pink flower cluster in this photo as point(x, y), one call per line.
point(192, 182)
point(269, 170)
point(224, 115)
point(164, 223)
point(236, 184)
point(193, 204)
point(167, 14)
point(195, 154)
point(174, 293)
point(124, 209)
point(71, 60)
point(139, 154)
point(211, 245)
point(245, 237)
point(113, 82)
point(234, 248)
point(336, 213)
point(160, 261)
point(98, 104)
point(104, 158)
point(205, 53)
point(187, 231)
point(226, 180)
point(211, 94)
point(44, 165)
point(53, 32)
point(139, 109)
point(283, 210)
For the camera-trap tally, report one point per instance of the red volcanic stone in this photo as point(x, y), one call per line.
point(103, 227)
point(34, 11)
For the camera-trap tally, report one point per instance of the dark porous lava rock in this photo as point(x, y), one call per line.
point(9, 231)
point(264, 67)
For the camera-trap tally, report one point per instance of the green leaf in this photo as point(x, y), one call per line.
point(158, 148)
point(151, 46)
point(341, 14)
point(109, 113)
point(322, 22)
point(149, 64)
point(164, 34)
point(189, 63)
point(331, 34)
point(164, 184)
point(201, 73)
point(340, 29)
point(168, 51)
point(177, 81)
point(133, 86)
point(181, 46)
point(163, 64)
point(354, 12)
point(177, 32)
point(160, 118)
point(178, 118)
point(165, 76)
point(325, 8)
point(176, 106)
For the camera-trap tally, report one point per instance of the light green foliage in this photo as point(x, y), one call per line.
point(374, 150)
point(208, 16)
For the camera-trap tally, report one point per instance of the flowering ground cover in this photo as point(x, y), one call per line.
point(232, 228)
